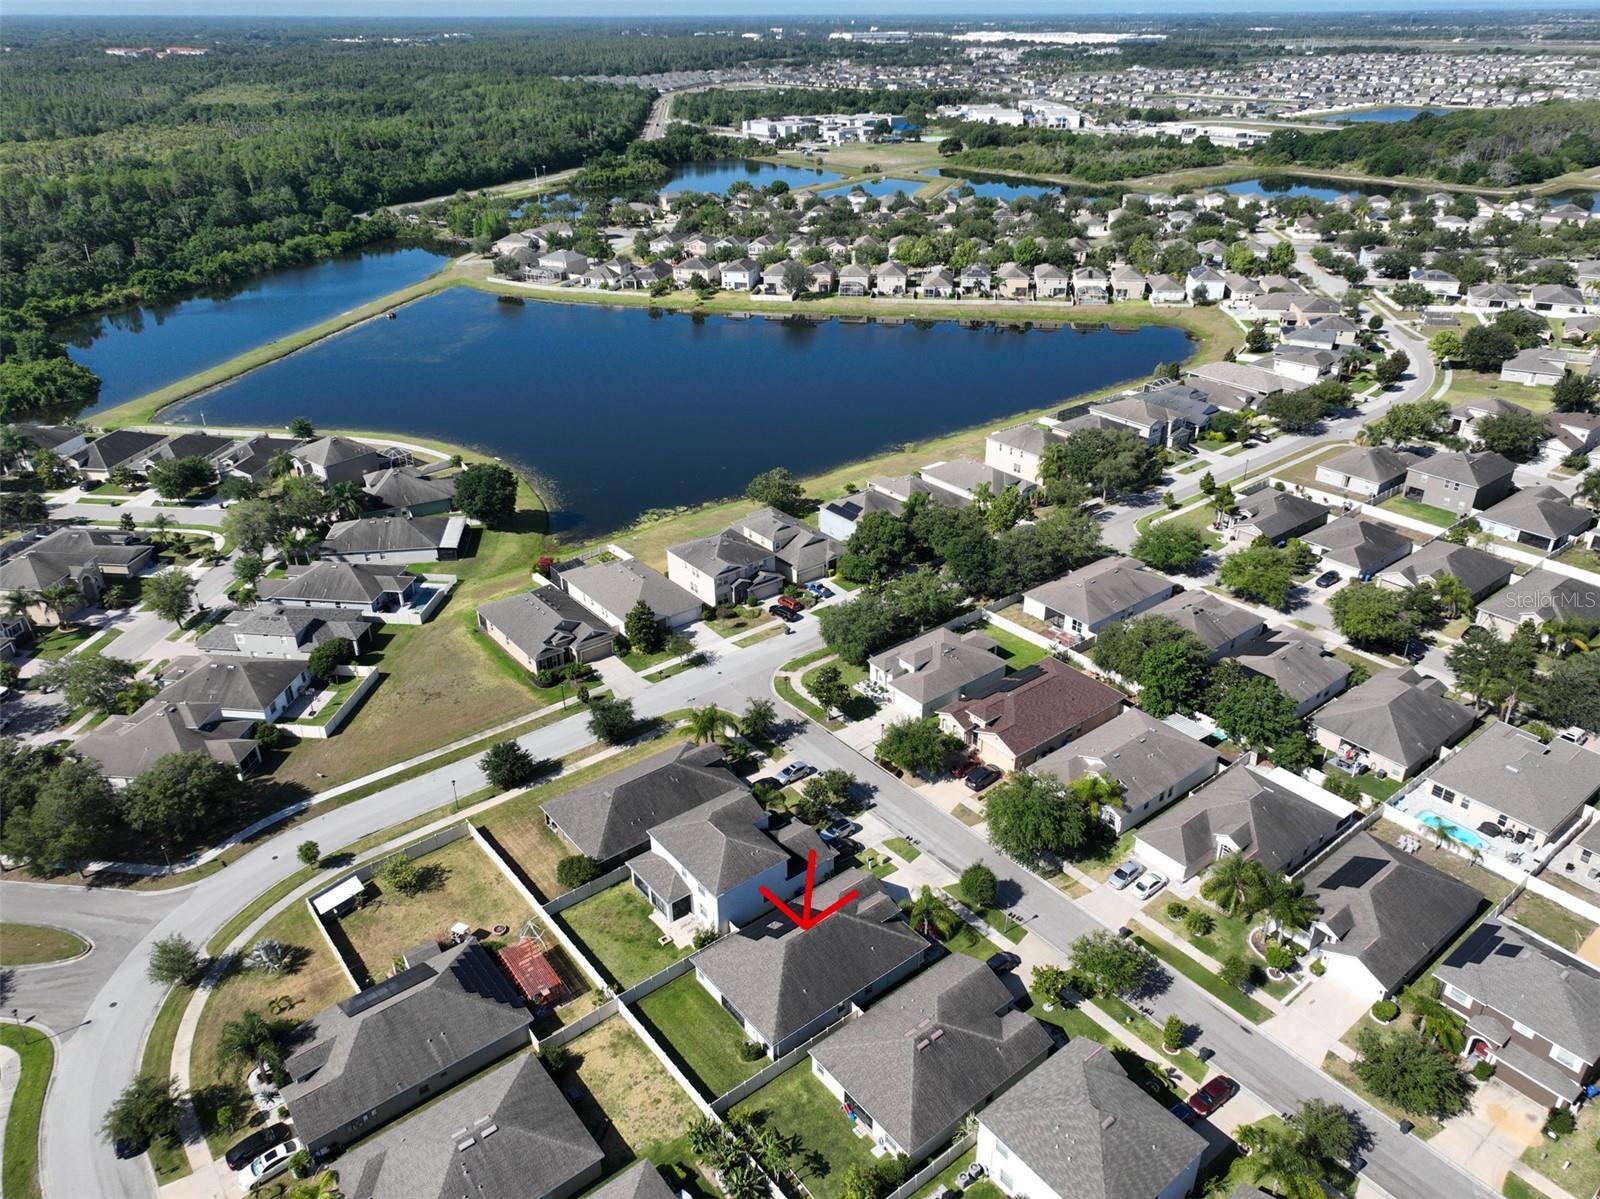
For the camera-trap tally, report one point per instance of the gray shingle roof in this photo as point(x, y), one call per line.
point(1398, 714)
point(1374, 464)
point(1278, 514)
point(337, 582)
point(1268, 823)
point(1138, 751)
point(1298, 664)
point(1366, 543)
point(1102, 590)
point(933, 1049)
point(1544, 595)
point(369, 1048)
point(127, 746)
point(1464, 467)
point(1541, 786)
point(1478, 572)
point(638, 1181)
point(1392, 912)
point(938, 662)
point(252, 683)
point(1541, 510)
point(546, 619)
point(119, 446)
point(1212, 619)
point(1087, 1130)
point(781, 977)
point(394, 534)
point(1553, 993)
point(306, 626)
point(721, 842)
point(522, 1138)
point(618, 586)
point(69, 554)
point(614, 815)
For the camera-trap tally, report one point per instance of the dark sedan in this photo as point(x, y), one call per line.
point(980, 777)
point(257, 1143)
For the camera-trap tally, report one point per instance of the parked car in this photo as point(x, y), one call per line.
point(818, 590)
point(269, 1165)
point(794, 772)
point(1182, 1112)
point(257, 1143)
point(1125, 874)
point(789, 602)
point(838, 830)
point(1148, 883)
point(765, 783)
point(783, 613)
point(1327, 579)
point(981, 776)
point(1213, 1095)
point(1003, 962)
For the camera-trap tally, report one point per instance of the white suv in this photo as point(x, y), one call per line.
point(269, 1165)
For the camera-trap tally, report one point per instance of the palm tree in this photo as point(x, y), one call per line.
point(1436, 1021)
point(1096, 792)
point(931, 916)
point(19, 601)
point(280, 465)
point(1234, 884)
point(709, 723)
point(344, 499)
point(771, 1150)
point(250, 1038)
point(1286, 904)
point(159, 527)
point(1453, 596)
point(1294, 1174)
point(61, 597)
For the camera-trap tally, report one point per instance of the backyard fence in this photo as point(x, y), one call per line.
point(588, 891)
point(773, 1069)
point(570, 1032)
point(311, 730)
point(657, 980)
point(935, 1166)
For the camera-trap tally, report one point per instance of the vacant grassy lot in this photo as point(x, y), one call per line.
point(614, 927)
point(30, 944)
point(316, 984)
point(445, 668)
point(627, 1100)
point(462, 885)
point(696, 1030)
point(799, 1106)
point(1551, 921)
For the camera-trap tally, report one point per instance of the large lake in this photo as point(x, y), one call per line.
point(1269, 186)
point(1386, 116)
point(617, 411)
point(136, 350)
point(721, 174)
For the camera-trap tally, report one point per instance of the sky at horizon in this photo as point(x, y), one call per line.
point(1059, 11)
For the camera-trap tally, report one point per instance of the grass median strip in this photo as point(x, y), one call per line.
point(1200, 976)
point(20, 1179)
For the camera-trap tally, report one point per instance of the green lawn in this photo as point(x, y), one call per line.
point(1471, 385)
point(20, 1179)
point(700, 1034)
point(1198, 974)
point(1581, 1148)
point(966, 815)
point(969, 941)
point(1018, 652)
point(29, 944)
point(640, 662)
point(1581, 557)
point(743, 621)
point(1514, 1188)
point(1231, 936)
point(58, 643)
point(993, 917)
point(1071, 1020)
point(858, 706)
point(1551, 921)
point(614, 927)
point(799, 1106)
point(341, 692)
point(1150, 1033)
point(1100, 861)
point(902, 849)
point(1197, 516)
point(1434, 515)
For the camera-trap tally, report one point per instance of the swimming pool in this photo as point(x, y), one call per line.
point(1452, 830)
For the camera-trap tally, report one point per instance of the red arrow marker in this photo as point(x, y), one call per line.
point(807, 918)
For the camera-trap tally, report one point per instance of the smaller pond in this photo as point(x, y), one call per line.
point(998, 186)
point(719, 175)
point(1386, 116)
point(1273, 186)
point(876, 187)
point(137, 350)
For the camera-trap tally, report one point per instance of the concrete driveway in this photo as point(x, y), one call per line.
point(1319, 1016)
point(1489, 1138)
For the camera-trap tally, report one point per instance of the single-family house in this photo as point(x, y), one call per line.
point(1222, 627)
point(1078, 1127)
point(120, 447)
point(610, 819)
point(1529, 1009)
point(1372, 472)
point(784, 984)
point(1539, 596)
point(740, 274)
point(349, 587)
point(976, 279)
point(1441, 285)
point(1358, 547)
point(1203, 284)
point(1165, 290)
point(1050, 282)
point(1169, 415)
point(545, 628)
point(1275, 515)
point(394, 540)
point(509, 1133)
point(752, 559)
point(268, 630)
point(1014, 722)
point(962, 477)
point(1090, 286)
point(339, 460)
point(1019, 450)
point(1383, 914)
point(63, 440)
point(1460, 482)
point(927, 672)
point(1086, 600)
point(1011, 282)
point(1557, 299)
point(1299, 663)
point(1541, 366)
point(1510, 781)
point(838, 518)
point(1242, 377)
point(86, 558)
point(1579, 860)
point(1395, 723)
point(1244, 812)
point(373, 1057)
point(1152, 764)
point(409, 491)
point(692, 268)
point(1540, 517)
point(719, 860)
point(927, 1055)
point(1479, 572)
point(611, 590)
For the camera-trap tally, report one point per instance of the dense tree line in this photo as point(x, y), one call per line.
point(1093, 159)
point(729, 107)
point(1494, 147)
point(125, 180)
